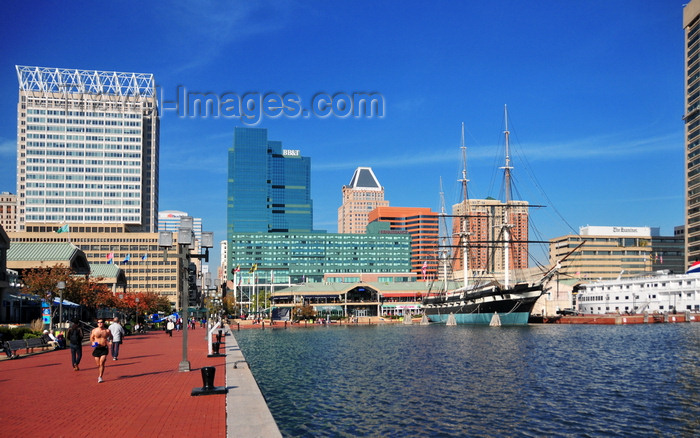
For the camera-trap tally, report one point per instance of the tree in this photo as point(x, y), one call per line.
point(87, 292)
point(304, 312)
point(44, 281)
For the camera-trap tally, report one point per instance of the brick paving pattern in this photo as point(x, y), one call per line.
point(143, 393)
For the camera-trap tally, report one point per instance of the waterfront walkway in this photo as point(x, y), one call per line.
point(143, 393)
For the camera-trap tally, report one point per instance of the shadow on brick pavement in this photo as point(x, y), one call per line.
point(143, 393)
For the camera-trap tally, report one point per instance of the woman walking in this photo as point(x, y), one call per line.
point(75, 336)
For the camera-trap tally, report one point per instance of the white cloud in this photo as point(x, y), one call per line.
point(210, 26)
point(8, 147)
point(610, 146)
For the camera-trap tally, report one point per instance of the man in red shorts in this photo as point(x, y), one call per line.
point(99, 339)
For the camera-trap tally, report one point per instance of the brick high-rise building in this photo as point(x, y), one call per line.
point(362, 195)
point(486, 218)
point(8, 211)
point(422, 225)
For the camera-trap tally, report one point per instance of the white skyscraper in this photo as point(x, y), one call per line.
point(87, 148)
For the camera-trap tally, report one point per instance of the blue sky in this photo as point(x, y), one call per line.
point(594, 91)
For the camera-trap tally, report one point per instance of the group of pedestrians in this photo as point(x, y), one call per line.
point(103, 340)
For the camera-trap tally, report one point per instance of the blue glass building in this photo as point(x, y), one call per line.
point(269, 188)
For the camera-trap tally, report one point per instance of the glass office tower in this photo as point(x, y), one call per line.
point(269, 188)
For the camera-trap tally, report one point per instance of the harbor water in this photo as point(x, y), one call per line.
point(532, 381)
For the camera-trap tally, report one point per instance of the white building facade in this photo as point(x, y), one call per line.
point(87, 148)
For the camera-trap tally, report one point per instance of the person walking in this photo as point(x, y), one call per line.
point(118, 334)
point(75, 337)
point(99, 338)
point(169, 328)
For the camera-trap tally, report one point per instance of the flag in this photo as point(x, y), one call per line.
point(127, 258)
point(694, 268)
point(661, 259)
point(144, 257)
point(110, 258)
point(424, 269)
point(238, 269)
point(253, 268)
point(272, 277)
point(63, 229)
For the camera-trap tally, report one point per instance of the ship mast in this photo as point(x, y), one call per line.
point(445, 239)
point(467, 211)
point(506, 211)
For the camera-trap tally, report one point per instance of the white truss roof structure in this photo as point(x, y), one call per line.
point(64, 80)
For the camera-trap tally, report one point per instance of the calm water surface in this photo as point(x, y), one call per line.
point(542, 380)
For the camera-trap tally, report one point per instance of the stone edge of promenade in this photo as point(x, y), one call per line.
point(247, 413)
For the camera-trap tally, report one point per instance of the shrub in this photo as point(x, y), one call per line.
point(37, 325)
point(30, 336)
point(19, 332)
point(5, 333)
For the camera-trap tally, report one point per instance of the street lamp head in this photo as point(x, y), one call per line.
point(61, 285)
point(207, 239)
point(165, 239)
point(184, 236)
point(186, 222)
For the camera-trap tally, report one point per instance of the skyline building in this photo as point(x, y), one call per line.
point(423, 226)
point(169, 220)
point(269, 188)
point(8, 211)
point(610, 252)
point(87, 148)
point(485, 219)
point(307, 257)
point(691, 25)
point(362, 195)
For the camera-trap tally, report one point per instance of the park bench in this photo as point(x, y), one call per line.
point(36, 343)
point(25, 344)
point(16, 345)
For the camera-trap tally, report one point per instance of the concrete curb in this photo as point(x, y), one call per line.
point(247, 414)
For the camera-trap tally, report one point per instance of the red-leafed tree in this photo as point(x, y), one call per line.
point(88, 292)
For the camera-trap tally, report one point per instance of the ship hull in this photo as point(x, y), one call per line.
point(513, 306)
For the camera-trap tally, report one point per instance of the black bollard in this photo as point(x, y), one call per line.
point(208, 387)
point(216, 346)
point(208, 375)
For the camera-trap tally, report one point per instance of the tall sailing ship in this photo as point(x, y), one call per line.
point(489, 301)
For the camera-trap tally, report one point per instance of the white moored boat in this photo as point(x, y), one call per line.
point(659, 292)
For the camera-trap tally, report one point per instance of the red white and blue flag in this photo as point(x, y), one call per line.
point(694, 268)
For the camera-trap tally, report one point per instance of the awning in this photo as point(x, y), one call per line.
point(403, 294)
point(328, 308)
point(66, 303)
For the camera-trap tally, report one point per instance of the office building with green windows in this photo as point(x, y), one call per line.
point(282, 258)
point(270, 236)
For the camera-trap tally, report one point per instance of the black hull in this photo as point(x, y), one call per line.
point(478, 306)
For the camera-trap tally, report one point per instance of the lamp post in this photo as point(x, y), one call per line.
point(61, 286)
point(185, 241)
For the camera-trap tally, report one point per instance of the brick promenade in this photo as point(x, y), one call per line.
point(143, 394)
